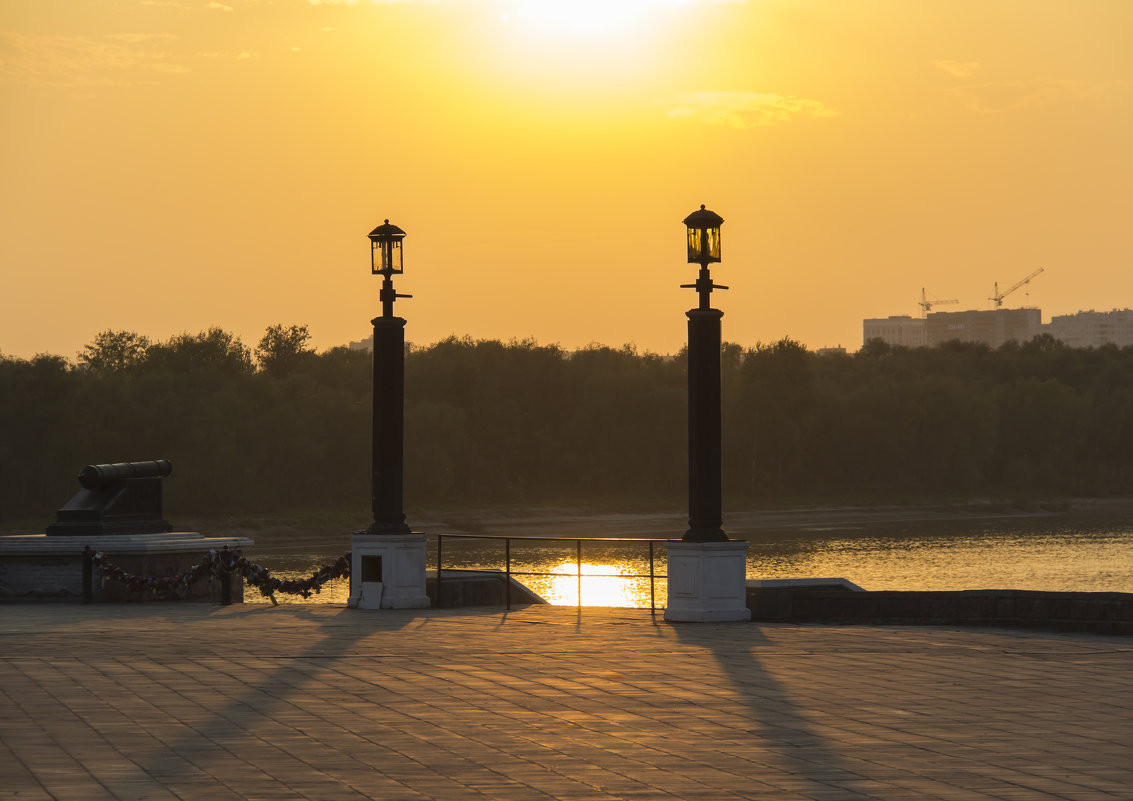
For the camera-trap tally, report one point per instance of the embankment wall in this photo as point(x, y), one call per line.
point(1099, 612)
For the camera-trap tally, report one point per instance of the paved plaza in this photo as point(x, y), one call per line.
point(194, 701)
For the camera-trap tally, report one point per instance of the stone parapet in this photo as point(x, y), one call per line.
point(1100, 612)
point(36, 567)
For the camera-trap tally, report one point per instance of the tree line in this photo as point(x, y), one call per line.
point(488, 423)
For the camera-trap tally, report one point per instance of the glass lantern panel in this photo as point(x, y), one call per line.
point(375, 258)
point(714, 244)
point(386, 256)
point(694, 245)
point(395, 256)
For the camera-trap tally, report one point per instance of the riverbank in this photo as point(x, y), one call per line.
point(332, 530)
point(1080, 546)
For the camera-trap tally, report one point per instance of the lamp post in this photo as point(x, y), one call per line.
point(707, 571)
point(389, 386)
point(387, 565)
point(705, 514)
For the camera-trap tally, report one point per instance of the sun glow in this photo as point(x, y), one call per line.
point(581, 18)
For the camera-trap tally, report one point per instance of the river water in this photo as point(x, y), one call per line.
point(1053, 554)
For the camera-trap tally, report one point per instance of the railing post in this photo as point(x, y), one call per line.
point(88, 578)
point(578, 562)
point(652, 581)
point(440, 551)
point(507, 573)
point(350, 574)
point(225, 579)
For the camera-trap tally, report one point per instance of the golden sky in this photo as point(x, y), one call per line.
point(170, 165)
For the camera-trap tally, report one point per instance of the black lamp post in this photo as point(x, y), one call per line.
point(389, 387)
point(705, 517)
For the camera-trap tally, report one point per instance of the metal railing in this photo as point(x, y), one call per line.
point(652, 575)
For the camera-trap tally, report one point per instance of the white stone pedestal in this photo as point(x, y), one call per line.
point(707, 581)
point(397, 562)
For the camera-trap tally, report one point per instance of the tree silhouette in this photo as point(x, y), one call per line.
point(281, 349)
point(114, 351)
point(215, 350)
point(495, 423)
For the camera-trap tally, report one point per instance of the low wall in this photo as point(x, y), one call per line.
point(36, 567)
point(476, 589)
point(1100, 612)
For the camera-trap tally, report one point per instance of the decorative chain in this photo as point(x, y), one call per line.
point(218, 564)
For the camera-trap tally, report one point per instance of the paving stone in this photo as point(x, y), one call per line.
point(161, 701)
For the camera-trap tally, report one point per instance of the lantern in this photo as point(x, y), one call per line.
point(385, 249)
point(703, 236)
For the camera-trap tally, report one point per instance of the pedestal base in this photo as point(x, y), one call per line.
point(394, 561)
point(707, 581)
point(36, 567)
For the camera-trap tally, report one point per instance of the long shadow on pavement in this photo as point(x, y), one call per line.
point(230, 714)
point(782, 727)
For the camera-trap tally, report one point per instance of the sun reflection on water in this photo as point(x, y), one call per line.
point(962, 556)
point(603, 584)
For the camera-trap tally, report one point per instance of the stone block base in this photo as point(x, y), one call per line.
point(397, 562)
point(707, 582)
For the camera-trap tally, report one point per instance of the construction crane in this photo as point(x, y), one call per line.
point(926, 304)
point(997, 299)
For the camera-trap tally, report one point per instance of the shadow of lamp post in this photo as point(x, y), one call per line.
point(388, 559)
point(707, 571)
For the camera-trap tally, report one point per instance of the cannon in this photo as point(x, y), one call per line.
point(98, 476)
point(120, 498)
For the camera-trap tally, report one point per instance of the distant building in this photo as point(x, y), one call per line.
point(831, 351)
point(903, 330)
point(366, 344)
point(992, 327)
point(1092, 329)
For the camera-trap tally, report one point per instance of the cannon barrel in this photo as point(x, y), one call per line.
point(96, 476)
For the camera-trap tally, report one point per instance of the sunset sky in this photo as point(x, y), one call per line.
point(171, 165)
